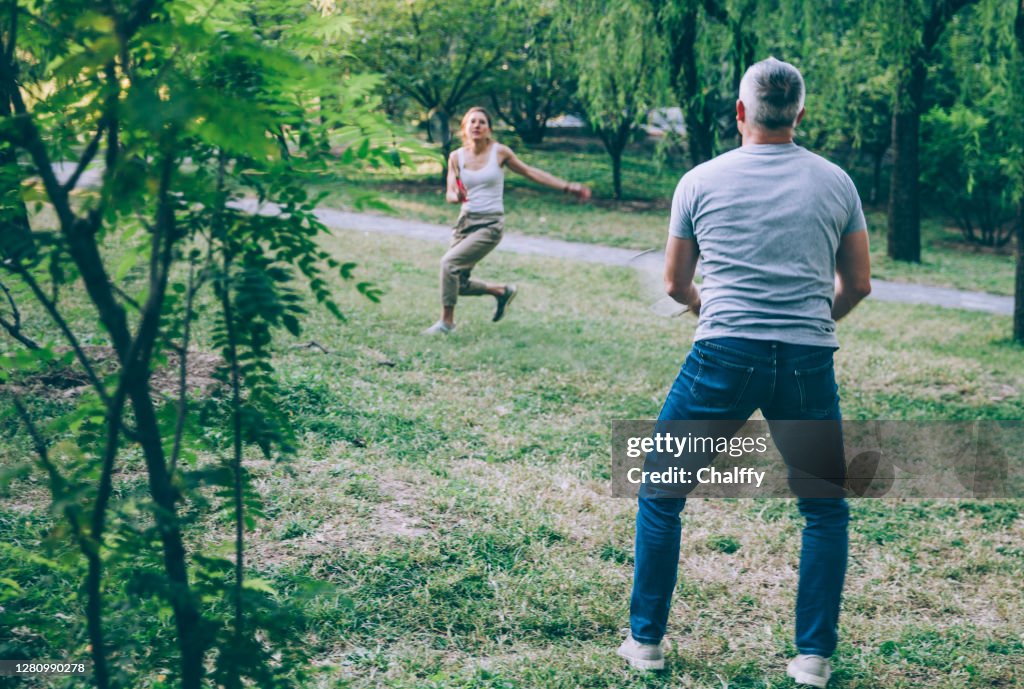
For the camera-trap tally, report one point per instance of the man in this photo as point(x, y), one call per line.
point(783, 240)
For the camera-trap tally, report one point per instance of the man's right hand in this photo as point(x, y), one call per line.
point(694, 306)
point(853, 273)
point(680, 266)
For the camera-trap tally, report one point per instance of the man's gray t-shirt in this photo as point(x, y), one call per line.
point(767, 219)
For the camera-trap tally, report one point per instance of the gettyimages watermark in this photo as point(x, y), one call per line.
point(780, 459)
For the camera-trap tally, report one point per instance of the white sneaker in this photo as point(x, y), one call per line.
point(439, 328)
point(643, 656)
point(810, 669)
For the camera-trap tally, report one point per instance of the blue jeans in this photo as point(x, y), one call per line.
point(730, 378)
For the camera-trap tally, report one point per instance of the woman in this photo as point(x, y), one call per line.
point(476, 180)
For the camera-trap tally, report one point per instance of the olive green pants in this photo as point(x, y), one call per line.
point(474, 236)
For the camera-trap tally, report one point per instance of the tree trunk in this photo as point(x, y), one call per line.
point(16, 240)
point(700, 137)
point(696, 103)
point(191, 636)
point(439, 123)
point(532, 115)
point(876, 179)
point(532, 133)
point(616, 154)
point(904, 240)
point(679, 32)
point(1018, 292)
point(192, 639)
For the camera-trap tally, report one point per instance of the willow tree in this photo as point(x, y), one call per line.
point(537, 80)
point(680, 26)
point(698, 37)
point(914, 28)
point(620, 74)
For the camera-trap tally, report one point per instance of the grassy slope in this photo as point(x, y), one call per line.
point(455, 490)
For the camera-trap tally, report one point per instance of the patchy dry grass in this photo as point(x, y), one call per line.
point(509, 565)
point(454, 491)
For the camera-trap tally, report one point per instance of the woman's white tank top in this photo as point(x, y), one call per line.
point(486, 186)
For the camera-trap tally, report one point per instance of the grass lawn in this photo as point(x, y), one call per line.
point(455, 493)
point(640, 221)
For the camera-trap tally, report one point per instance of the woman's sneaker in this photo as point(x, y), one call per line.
point(643, 656)
point(503, 302)
point(810, 669)
point(439, 328)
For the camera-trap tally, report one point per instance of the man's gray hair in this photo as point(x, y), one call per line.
point(772, 92)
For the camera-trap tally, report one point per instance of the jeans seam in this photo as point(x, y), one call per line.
point(797, 360)
point(731, 351)
point(804, 408)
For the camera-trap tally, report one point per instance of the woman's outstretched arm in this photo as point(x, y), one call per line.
point(580, 191)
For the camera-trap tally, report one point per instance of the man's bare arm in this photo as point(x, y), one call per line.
point(853, 273)
point(680, 266)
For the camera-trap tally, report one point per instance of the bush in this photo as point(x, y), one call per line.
point(962, 168)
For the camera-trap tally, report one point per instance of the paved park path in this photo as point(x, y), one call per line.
point(648, 263)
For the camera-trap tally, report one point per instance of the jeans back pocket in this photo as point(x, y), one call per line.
point(818, 388)
point(720, 384)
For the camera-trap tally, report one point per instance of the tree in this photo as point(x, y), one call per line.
point(962, 169)
point(691, 33)
point(871, 115)
point(437, 53)
point(965, 135)
point(678, 24)
point(1018, 303)
point(619, 72)
point(536, 80)
point(915, 29)
point(737, 16)
point(188, 113)
point(849, 97)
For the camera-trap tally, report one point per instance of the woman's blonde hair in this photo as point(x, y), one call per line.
point(465, 120)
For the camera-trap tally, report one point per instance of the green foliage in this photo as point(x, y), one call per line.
point(619, 71)
point(848, 83)
point(434, 53)
point(962, 166)
point(537, 80)
point(195, 115)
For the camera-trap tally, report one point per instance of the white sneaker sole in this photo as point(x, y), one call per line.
point(801, 677)
point(643, 663)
